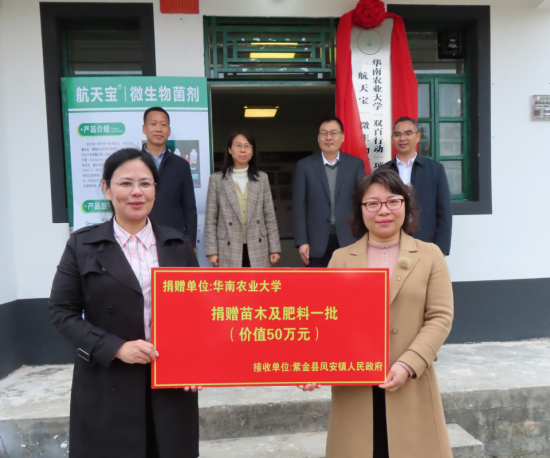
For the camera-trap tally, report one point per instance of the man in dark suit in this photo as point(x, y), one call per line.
point(323, 194)
point(428, 181)
point(175, 200)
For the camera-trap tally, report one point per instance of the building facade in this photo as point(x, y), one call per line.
point(498, 261)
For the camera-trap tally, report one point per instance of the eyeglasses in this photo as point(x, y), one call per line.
point(246, 146)
point(392, 204)
point(332, 134)
point(408, 134)
point(144, 185)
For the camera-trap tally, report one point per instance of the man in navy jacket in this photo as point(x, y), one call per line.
point(175, 199)
point(428, 181)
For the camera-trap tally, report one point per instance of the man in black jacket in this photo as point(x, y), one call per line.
point(429, 184)
point(175, 199)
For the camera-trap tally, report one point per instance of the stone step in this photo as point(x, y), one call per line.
point(43, 443)
point(312, 445)
point(498, 392)
point(247, 412)
point(304, 445)
point(464, 445)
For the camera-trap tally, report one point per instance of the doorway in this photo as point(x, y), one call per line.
point(281, 140)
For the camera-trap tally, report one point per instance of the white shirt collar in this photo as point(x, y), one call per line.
point(144, 236)
point(408, 163)
point(325, 162)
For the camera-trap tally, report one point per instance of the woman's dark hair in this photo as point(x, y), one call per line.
point(115, 160)
point(391, 181)
point(253, 172)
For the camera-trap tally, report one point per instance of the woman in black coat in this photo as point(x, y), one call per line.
point(100, 302)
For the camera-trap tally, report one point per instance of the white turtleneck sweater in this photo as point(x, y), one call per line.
point(240, 176)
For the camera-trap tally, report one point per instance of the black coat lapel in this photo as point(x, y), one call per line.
point(343, 171)
point(417, 165)
point(319, 167)
point(170, 256)
point(392, 165)
point(110, 256)
point(172, 253)
point(112, 259)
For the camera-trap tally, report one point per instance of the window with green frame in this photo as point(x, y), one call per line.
point(443, 119)
point(270, 48)
point(94, 49)
point(443, 109)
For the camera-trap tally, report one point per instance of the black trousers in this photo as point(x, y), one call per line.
point(151, 440)
point(325, 259)
point(246, 259)
point(380, 429)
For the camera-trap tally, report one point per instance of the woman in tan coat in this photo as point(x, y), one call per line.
point(403, 417)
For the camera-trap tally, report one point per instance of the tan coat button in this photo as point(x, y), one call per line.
point(398, 278)
point(394, 331)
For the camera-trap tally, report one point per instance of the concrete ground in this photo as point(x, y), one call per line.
point(43, 391)
point(496, 398)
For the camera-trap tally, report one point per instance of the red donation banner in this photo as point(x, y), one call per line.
point(246, 327)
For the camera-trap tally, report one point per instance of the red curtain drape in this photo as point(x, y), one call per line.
point(404, 85)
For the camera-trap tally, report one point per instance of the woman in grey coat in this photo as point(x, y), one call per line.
point(241, 226)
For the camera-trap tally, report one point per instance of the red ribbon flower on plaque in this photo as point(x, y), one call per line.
point(368, 129)
point(369, 13)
